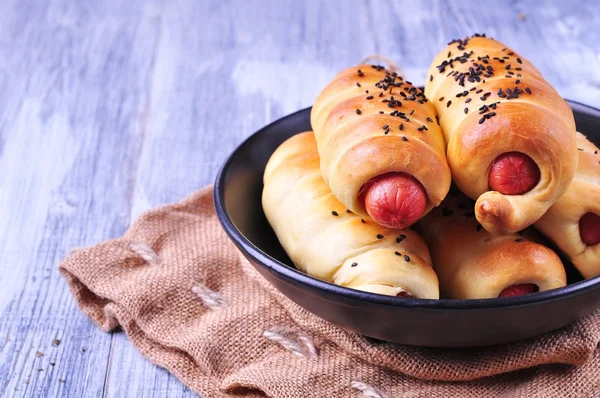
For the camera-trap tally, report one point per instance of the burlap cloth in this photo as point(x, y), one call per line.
point(190, 303)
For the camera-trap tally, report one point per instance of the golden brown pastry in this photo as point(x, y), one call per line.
point(471, 263)
point(382, 151)
point(328, 242)
point(510, 136)
point(573, 222)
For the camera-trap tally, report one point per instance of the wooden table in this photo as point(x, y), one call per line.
point(109, 108)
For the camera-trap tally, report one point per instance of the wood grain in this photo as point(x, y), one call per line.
point(108, 108)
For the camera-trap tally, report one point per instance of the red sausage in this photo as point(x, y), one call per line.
point(513, 173)
point(394, 200)
point(589, 229)
point(519, 290)
point(403, 294)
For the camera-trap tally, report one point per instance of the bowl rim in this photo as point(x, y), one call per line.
point(289, 273)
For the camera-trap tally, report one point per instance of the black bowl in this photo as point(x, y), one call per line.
point(433, 323)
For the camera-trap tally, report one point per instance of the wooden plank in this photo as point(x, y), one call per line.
point(73, 99)
point(110, 108)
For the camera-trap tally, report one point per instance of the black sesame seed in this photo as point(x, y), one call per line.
point(481, 120)
point(507, 67)
point(379, 236)
point(517, 81)
point(441, 99)
point(353, 264)
point(519, 60)
point(406, 258)
point(401, 127)
point(528, 90)
point(397, 253)
point(448, 104)
point(467, 100)
point(430, 77)
point(479, 91)
point(404, 138)
point(422, 128)
point(335, 213)
point(400, 238)
point(358, 112)
point(385, 126)
point(370, 97)
point(357, 84)
point(466, 110)
point(430, 120)
point(411, 112)
point(362, 220)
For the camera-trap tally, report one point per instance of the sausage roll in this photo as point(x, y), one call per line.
point(325, 240)
point(381, 147)
point(510, 136)
point(471, 263)
point(573, 222)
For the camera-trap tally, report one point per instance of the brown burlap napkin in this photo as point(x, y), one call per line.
point(190, 303)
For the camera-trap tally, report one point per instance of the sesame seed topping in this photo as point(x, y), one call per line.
point(358, 112)
point(466, 110)
point(519, 60)
point(404, 138)
point(335, 213)
point(379, 236)
point(357, 84)
point(448, 104)
point(401, 127)
point(430, 120)
point(370, 97)
point(353, 264)
point(397, 253)
point(362, 220)
point(400, 238)
point(406, 258)
point(422, 128)
point(528, 90)
point(467, 100)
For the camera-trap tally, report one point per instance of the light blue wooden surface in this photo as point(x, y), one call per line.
point(109, 108)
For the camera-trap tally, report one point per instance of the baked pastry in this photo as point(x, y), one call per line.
point(327, 241)
point(382, 151)
point(510, 136)
point(471, 263)
point(573, 222)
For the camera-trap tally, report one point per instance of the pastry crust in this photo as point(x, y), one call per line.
point(561, 222)
point(349, 127)
point(324, 241)
point(485, 119)
point(471, 263)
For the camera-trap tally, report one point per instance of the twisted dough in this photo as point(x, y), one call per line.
point(327, 242)
point(564, 222)
point(380, 142)
point(471, 263)
point(505, 128)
